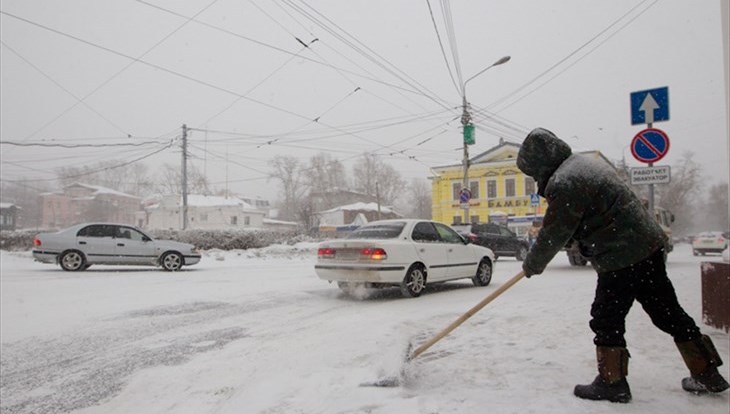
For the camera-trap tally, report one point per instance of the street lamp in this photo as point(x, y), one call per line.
point(466, 123)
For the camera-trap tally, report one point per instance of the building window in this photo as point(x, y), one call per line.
point(529, 186)
point(457, 186)
point(491, 189)
point(475, 219)
point(474, 188)
point(247, 220)
point(234, 220)
point(509, 187)
point(457, 219)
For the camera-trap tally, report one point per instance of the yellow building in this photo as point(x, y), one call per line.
point(499, 190)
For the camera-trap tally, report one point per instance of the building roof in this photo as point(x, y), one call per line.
point(360, 207)
point(98, 190)
point(200, 200)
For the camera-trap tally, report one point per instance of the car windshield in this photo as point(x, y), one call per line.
point(378, 231)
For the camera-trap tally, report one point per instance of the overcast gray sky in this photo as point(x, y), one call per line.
point(372, 77)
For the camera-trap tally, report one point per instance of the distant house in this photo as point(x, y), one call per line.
point(346, 218)
point(280, 225)
point(8, 216)
point(79, 203)
point(338, 197)
point(257, 203)
point(204, 212)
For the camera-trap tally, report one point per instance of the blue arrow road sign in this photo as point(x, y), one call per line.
point(650, 145)
point(650, 106)
point(534, 200)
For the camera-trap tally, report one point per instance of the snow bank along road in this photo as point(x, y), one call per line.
point(257, 332)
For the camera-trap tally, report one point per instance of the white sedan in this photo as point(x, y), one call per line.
point(408, 253)
point(709, 242)
point(80, 246)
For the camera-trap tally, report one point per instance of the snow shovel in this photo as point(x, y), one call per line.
point(395, 381)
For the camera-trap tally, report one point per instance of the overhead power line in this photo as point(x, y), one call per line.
point(100, 169)
point(571, 54)
point(50, 144)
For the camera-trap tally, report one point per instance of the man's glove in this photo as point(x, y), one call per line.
point(528, 272)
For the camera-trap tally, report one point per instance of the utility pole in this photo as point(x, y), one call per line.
point(184, 174)
point(469, 132)
point(466, 124)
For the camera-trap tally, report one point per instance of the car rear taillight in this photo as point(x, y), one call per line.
point(374, 253)
point(36, 241)
point(473, 237)
point(326, 253)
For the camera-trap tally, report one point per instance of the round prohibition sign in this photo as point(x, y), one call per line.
point(650, 145)
point(464, 195)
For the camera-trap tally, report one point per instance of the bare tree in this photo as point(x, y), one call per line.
point(26, 195)
point(374, 177)
point(325, 176)
point(679, 195)
point(715, 216)
point(288, 171)
point(128, 178)
point(171, 182)
point(418, 203)
point(325, 173)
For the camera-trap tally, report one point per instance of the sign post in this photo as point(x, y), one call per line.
point(464, 197)
point(651, 144)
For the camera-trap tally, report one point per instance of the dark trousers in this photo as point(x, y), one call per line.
point(647, 282)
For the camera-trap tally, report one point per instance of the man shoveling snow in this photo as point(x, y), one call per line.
point(590, 204)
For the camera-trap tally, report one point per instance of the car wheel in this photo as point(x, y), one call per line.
point(348, 288)
point(172, 261)
point(484, 273)
point(414, 282)
point(72, 261)
point(521, 253)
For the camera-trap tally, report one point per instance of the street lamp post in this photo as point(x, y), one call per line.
point(466, 121)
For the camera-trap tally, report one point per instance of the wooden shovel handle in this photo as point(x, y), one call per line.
point(421, 349)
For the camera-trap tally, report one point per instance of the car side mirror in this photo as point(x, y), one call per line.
point(146, 239)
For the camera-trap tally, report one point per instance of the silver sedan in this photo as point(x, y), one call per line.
point(80, 246)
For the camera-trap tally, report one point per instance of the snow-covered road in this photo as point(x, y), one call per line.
point(257, 332)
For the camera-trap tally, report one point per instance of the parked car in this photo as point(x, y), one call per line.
point(408, 253)
point(709, 242)
point(80, 246)
point(501, 240)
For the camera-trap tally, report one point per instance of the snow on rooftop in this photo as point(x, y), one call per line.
point(199, 200)
point(102, 190)
point(361, 207)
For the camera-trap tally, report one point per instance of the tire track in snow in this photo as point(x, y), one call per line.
point(91, 365)
point(81, 369)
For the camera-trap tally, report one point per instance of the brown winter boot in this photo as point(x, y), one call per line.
point(702, 360)
point(610, 384)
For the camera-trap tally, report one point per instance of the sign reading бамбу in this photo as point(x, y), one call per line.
point(660, 174)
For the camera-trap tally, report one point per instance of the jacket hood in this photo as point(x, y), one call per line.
point(540, 155)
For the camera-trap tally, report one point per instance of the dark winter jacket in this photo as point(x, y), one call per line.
point(587, 202)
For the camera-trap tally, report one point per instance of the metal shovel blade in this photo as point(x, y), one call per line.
point(394, 381)
point(408, 357)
